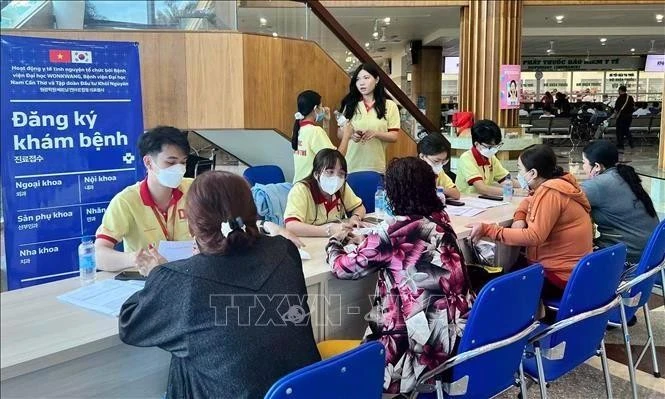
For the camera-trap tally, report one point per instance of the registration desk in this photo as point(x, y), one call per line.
point(54, 349)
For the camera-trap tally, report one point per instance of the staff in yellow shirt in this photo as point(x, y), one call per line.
point(435, 150)
point(309, 138)
point(374, 118)
point(318, 205)
point(479, 170)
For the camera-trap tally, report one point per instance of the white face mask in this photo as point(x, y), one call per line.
point(330, 184)
point(172, 176)
point(488, 152)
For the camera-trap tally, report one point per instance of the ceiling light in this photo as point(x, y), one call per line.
point(659, 17)
point(559, 19)
point(386, 20)
point(367, 44)
point(274, 34)
point(632, 50)
point(375, 35)
point(603, 40)
point(263, 21)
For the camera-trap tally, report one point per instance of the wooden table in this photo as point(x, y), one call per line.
point(54, 349)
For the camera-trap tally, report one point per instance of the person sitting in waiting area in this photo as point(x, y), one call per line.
point(317, 205)
point(547, 113)
point(422, 296)
point(553, 222)
point(183, 308)
point(523, 111)
point(620, 207)
point(479, 170)
point(435, 150)
point(643, 110)
point(655, 108)
point(152, 210)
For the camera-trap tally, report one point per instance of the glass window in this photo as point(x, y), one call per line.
point(529, 82)
point(588, 86)
point(650, 86)
point(15, 12)
point(555, 82)
point(139, 12)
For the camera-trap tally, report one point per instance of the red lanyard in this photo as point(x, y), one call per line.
point(162, 224)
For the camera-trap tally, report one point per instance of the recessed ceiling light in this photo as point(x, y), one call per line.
point(274, 34)
point(559, 19)
point(659, 17)
point(367, 44)
point(632, 50)
point(603, 40)
point(375, 35)
point(263, 21)
point(386, 20)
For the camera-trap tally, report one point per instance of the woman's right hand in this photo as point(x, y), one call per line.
point(339, 231)
point(357, 136)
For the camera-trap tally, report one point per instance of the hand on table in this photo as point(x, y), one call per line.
point(148, 259)
point(340, 231)
point(275, 230)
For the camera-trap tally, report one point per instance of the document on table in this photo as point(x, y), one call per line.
point(106, 296)
point(176, 250)
point(480, 203)
point(463, 211)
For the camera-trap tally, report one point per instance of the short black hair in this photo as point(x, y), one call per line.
point(622, 88)
point(485, 132)
point(433, 144)
point(152, 141)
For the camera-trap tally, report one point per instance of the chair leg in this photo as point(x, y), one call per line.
point(629, 353)
point(647, 317)
point(439, 390)
point(541, 373)
point(523, 387)
point(606, 370)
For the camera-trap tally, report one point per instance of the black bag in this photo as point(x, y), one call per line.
point(480, 270)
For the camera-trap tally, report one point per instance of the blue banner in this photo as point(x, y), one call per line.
point(71, 118)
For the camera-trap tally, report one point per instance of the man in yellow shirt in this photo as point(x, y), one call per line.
point(151, 210)
point(435, 150)
point(479, 170)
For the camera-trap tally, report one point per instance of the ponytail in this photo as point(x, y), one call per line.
point(307, 101)
point(631, 178)
point(558, 171)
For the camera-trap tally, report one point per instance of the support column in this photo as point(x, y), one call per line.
point(490, 35)
point(426, 81)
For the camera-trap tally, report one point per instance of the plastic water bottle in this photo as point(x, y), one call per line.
point(380, 202)
point(508, 189)
point(441, 194)
point(87, 264)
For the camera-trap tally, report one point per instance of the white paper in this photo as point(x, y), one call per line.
point(176, 250)
point(304, 255)
point(106, 296)
point(463, 211)
point(482, 203)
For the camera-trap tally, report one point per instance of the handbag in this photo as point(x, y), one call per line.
point(480, 270)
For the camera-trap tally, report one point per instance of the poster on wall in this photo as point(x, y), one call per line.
point(72, 115)
point(509, 86)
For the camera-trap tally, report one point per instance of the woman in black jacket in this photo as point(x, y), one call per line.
point(235, 316)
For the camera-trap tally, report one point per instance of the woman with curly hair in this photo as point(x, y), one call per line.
point(422, 296)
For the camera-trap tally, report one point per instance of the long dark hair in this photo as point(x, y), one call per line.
point(542, 158)
point(350, 101)
point(411, 188)
point(307, 101)
point(607, 155)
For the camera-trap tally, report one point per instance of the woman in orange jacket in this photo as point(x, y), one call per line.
point(554, 222)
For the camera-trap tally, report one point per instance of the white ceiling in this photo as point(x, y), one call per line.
point(625, 27)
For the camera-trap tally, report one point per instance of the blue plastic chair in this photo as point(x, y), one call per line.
point(498, 329)
point(635, 295)
point(579, 329)
point(265, 174)
point(356, 374)
point(364, 185)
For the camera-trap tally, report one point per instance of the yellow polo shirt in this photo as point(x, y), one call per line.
point(443, 180)
point(311, 140)
point(371, 156)
point(133, 218)
point(308, 205)
point(472, 166)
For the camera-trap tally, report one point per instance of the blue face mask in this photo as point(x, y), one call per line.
point(522, 180)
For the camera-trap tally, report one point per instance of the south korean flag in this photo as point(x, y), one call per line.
point(81, 57)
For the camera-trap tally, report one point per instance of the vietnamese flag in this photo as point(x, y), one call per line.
point(60, 56)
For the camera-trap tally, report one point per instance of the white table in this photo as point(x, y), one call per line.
point(53, 349)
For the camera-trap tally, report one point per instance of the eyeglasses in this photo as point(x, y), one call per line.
point(492, 147)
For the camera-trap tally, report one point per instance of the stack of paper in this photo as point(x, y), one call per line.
point(463, 211)
point(106, 296)
point(482, 203)
point(176, 250)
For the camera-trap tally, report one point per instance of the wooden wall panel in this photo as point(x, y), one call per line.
point(214, 80)
point(490, 35)
point(426, 81)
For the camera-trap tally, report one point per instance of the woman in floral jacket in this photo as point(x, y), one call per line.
point(422, 295)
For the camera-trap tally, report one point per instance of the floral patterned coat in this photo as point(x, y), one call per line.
point(422, 296)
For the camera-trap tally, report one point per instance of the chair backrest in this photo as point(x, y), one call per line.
point(265, 174)
point(652, 256)
point(655, 124)
point(592, 285)
point(505, 306)
point(540, 125)
point(560, 125)
point(357, 373)
point(641, 121)
point(364, 185)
